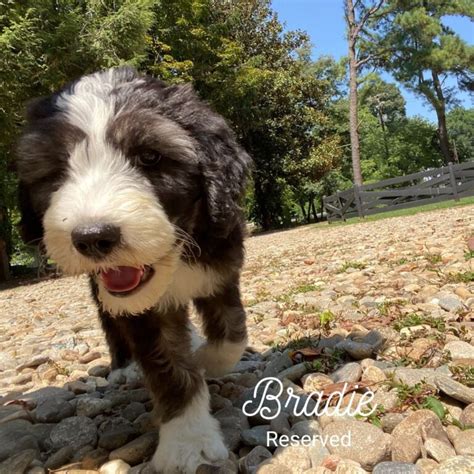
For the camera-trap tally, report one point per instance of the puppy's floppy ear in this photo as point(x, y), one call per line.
point(224, 170)
point(31, 228)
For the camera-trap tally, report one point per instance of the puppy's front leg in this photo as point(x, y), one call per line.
point(189, 435)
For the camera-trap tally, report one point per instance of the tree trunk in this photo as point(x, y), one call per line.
point(353, 108)
point(441, 115)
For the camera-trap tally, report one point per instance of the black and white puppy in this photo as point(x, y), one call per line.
point(137, 184)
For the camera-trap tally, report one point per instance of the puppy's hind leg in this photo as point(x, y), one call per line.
point(223, 318)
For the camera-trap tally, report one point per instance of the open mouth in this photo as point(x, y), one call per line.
point(123, 281)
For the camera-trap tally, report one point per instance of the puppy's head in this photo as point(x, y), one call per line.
point(114, 169)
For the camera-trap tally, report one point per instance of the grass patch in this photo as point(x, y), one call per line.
point(356, 265)
point(460, 277)
point(405, 212)
point(468, 255)
point(463, 374)
point(415, 319)
point(433, 258)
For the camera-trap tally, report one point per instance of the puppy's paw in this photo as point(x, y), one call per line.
point(219, 359)
point(184, 455)
point(189, 440)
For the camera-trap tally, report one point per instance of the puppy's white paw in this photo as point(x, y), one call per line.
point(189, 440)
point(219, 359)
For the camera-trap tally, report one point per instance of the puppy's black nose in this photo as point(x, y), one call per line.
point(95, 240)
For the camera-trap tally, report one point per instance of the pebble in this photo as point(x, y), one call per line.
point(294, 458)
point(133, 410)
point(256, 436)
point(135, 451)
point(411, 377)
point(464, 443)
point(76, 431)
point(278, 364)
point(294, 373)
point(439, 450)
point(460, 350)
point(315, 382)
point(350, 372)
point(450, 303)
point(115, 467)
point(455, 389)
point(388, 467)
point(59, 458)
point(426, 466)
point(467, 416)
point(92, 407)
point(456, 465)
point(99, 371)
point(257, 456)
point(16, 436)
point(407, 437)
point(18, 462)
point(369, 445)
point(51, 410)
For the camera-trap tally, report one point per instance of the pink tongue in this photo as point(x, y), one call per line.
point(122, 278)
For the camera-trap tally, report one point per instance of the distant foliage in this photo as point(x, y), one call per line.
point(289, 110)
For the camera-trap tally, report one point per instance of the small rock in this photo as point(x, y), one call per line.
point(76, 431)
point(426, 466)
point(396, 468)
point(346, 466)
point(315, 382)
point(413, 376)
point(350, 373)
point(467, 416)
point(132, 411)
point(92, 407)
point(456, 465)
point(391, 420)
point(407, 437)
point(89, 357)
point(257, 456)
point(16, 436)
point(77, 387)
point(115, 438)
point(256, 436)
point(145, 423)
point(438, 450)
point(99, 371)
point(368, 445)
point(59, 458)
point(373, 375)
point(294, 373)
point(18, 462)
point(464, 443)
point(51, 410)
point(135, 451)
point(454, 389)
point(116, 466)
point(460, 350)
point(33, 363)
point(307, 427)
point(357, 350)
point(294, 458)
point(278, 364)
point(450, 303)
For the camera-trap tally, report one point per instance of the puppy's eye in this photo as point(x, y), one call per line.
point(147, 158)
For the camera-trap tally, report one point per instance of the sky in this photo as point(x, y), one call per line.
point(323, 20)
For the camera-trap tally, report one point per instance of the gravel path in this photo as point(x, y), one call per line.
point(388, 304)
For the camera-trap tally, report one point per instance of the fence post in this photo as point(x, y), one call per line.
point(452, 178)
point(358, 200)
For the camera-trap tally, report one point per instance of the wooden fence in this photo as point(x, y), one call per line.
point(417, 189)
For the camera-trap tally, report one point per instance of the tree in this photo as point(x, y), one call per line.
point(385, 102)
point(262, 80)
point(357, 15)
point(413, 42)
point(461, 126)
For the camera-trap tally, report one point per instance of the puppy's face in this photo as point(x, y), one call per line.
point(116, 169)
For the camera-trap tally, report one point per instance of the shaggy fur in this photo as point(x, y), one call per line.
point(157, 169)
